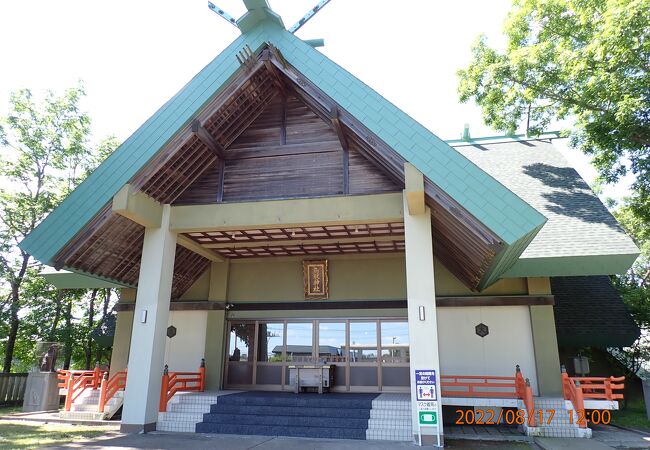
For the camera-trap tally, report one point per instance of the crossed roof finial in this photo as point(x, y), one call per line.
point(258, 10)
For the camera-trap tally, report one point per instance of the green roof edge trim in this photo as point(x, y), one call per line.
point(506, 214)
point(563, 266)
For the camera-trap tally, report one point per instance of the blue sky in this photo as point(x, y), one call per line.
point(134, 55)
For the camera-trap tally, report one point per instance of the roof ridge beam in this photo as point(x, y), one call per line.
point(137, 206)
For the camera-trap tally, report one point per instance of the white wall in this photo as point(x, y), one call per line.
point(184, 351)
point(509, 342)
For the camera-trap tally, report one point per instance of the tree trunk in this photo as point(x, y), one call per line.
point(68, 334)
point(57, 314)
point(16, 280)
point(91, 320)
point(13, 333)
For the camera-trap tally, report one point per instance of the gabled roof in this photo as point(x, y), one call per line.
point(589, 311)
point(505, 214)
point(581, 237)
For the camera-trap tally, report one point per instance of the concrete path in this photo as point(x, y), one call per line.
point(571, 444)
point(620, 438)
point(195, 441)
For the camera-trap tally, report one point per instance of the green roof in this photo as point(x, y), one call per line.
point(507, 215)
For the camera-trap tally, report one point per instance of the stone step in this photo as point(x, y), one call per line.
point(269, 430)
point(188, 408)
point(81, 415)
point(381, 424)
point(292, 421)
point(180, 417)
point(176, 426)
point(347, 413)
point(390, 435)
point(390, 414)
point(560, 432)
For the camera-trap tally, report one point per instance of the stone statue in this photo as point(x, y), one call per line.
point(48, 359)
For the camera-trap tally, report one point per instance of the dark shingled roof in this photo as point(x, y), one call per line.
point(589, 312)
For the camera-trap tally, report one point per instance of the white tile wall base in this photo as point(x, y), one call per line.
point(481, 402)
point(601, 404)
point(186, 409)
point(86, 405)
point(390, 418)
point(561, 425)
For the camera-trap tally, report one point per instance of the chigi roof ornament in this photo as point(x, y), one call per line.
point(257, 7)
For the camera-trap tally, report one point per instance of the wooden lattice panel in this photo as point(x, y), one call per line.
point(184, 165)
point(113, 250)
point(188, 267)
point(299, 233)
point(180, 171)
point(336, 248)
point(241, 109)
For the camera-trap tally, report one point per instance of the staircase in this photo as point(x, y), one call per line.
point(186, 409)
point(331, 416)
point(390, 418)
point(562, 424)
point(86, 405)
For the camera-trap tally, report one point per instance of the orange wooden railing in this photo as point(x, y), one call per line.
point(63, 376)
point(173, 382)
point(490, 386)
point(78, 381)
point(601, 388)
point(572, 391)
point(525, 393)
point(110, 386)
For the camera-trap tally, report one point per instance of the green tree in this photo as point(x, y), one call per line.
point(634, 286)
point(587, 61)
point(45, 154)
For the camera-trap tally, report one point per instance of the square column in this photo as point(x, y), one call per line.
point(421, 296)
point(146, 356)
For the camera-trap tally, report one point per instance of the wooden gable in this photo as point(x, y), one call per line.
point(287, 152)
point(270, 133)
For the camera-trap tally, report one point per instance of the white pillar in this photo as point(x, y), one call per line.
point(146, 356)
point(420, 288)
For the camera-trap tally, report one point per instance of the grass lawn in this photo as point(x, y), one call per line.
point(634, 416)
point(19, 434)
point(4, 409)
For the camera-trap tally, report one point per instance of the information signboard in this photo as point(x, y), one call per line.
point(426, 394)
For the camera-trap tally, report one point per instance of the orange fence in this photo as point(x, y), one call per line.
point(571, 391)
point(525, 392)
point(601, 388)
point(487, 386)
point(63, 376)
point(577, 389)
point(110, 386)
point(78, 381)
point(173, 382)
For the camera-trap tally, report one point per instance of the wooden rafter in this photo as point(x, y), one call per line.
point(336, 123)
point(207, 139)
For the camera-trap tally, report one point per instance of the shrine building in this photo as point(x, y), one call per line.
point(277, 215)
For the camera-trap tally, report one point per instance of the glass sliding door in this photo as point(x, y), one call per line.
point(241, 344)
point(270, 353)
point(395, 354)
point(363, 355)
point(332, 349)
point(369, 355)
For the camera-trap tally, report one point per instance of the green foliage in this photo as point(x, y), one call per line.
point(45, 154)
point(634, 286)
point(583, 60)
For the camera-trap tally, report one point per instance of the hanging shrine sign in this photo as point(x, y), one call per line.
point(316, 280)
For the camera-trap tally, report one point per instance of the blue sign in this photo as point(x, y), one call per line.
point(425, 385)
